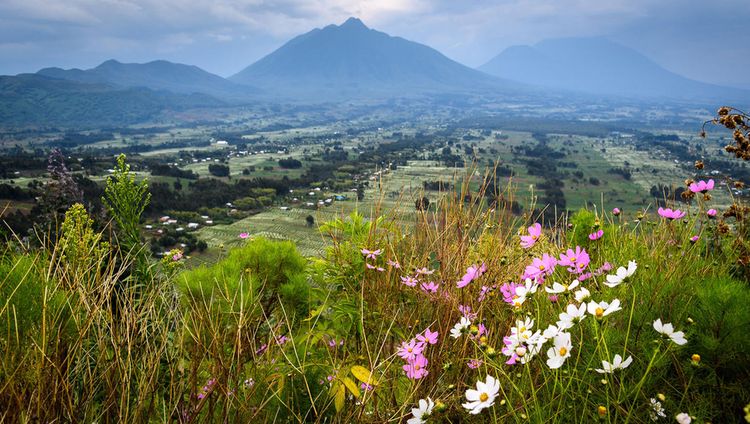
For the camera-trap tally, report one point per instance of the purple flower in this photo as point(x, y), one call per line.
point(693, 239)
point(576, 261)
point(711, 213)
point(472, 273)
point(416, 368)
point(671, 214)
point(474, 363)
point(430, 287)
point(430, 337)
point(540, 267)
point(702, 186)
point(616, 211)
point(371, 254)
point(409, 281)
point(466, 311)
point(596, 235)
point(535, 231)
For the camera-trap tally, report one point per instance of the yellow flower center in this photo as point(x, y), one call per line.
point(416, 367)
point(483, 397)
point(533, 237)
point(523, 329)
point(563, 351)
point(409, 349)
point(599, 312)
point(573, 259)
point(541, 267)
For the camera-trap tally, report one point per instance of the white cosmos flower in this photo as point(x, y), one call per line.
point(421, 412)
point(523, 292)
point(582, 294)
point(683, 418)
point(557, 355)
point(602, 309)
point(551, 332)
point(572, 315)
point(460, 327)
point(621, 274)
point(617, 364)
point(668, 330)
point(558, 288)
point(483, 397)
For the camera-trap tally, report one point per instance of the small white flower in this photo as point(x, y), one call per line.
point(582, 294)
point(683, 418)
point(460, 327)
point(657, 411)
point(483, 397)
point(572, 315)
point(602, 309)
point(421, 412)
point(667, 329)
point(558, 288)
point(617, 364)
point(551, 332)
point(523, 292)
point(557, 355)
point(621, 274)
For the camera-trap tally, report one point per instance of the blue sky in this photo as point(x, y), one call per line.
point(705, 40)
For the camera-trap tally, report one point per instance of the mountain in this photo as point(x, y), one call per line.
point(352, 60)
point(599, 66)
point(36, 100)
point(156, 75)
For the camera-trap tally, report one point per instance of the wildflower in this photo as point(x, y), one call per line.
point(694, 239)
point(602, 309)
point(601, 410)
point(670, 214)
point(682, 417)
point(535, 231)
point(177, 256)
point(409, 281)
point(616, 211)
point(416, 368)
point(702, 186)
point(621, 274)
point(562, 288)
point(474, 363)
point(508, 291)
point(617, 364)
point(522, 292)
point(466, 311)
point(484, 291)
point(421, 412)
point(541, 267)
point(460, 328)
point(483, 397)
point(678, 337)
point(377, 268)
point(393, 264)
point(473, 272)
point(552, 298)
point(557, 355)
point(424, 271)
point(366, 387)
point(551, 331)
point(657, 411)
point(582, 294)
point(410, 350)
point(244, 235)
point(262, 349)
point(573, 314)
point(371, 254)
point(695, 359)
point(430, 337)
point(576, 261)
point(430, 287)
point(596, 235)
point(711, 213)
point(249, 383)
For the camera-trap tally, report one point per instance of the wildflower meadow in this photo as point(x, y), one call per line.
point(459, 312)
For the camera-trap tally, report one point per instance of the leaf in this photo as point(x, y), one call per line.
point(364, 375)
point(339, 397)
point(352, 386)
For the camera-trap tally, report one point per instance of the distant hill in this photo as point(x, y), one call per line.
point(36, 100)
point(156, 75)
point(600, 66)
point(352, 60)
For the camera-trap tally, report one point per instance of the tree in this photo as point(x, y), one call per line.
point(218, 170)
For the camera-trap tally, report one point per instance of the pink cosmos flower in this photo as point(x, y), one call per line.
point(410, 350)
point(671, 214)
point(474, 363)
point(576, 261)
point(394, 264)
point(365, 387)
point(552, 298)
point(262, 349)
point(371, 254)
point(177, 256)
point(596, 235)
point(702, 186)
point(409, 281)
point(535, 231)
point(616, 211)
point(693, 239)
point(484, 291)
point(473, 272)
point(244, 235)
point(466, 311)
point(540, 267)
point(430, 287)
point(416, 368)
point(508, 291)
point(430, 337)
point(711, 213)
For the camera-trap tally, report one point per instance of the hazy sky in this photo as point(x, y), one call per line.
point(702, 39)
